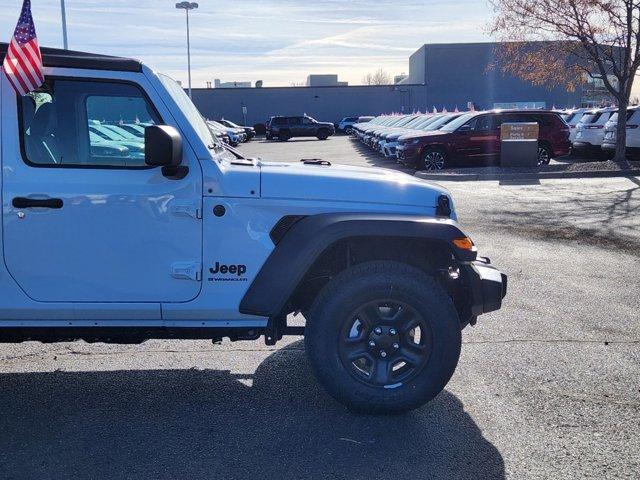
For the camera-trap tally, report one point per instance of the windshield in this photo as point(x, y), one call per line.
point(428, 121)
point(416, 122)
point(189, 110)
point(590, 117)
point(394, 121)
point(122, 132)
point(105, 133)
point(458, 122)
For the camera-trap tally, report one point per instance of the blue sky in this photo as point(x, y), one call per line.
point(278, 41)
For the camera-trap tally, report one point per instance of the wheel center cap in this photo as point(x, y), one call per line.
point(385, 339)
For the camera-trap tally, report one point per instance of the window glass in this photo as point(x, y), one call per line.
point(280, 121)
point(85, 123)
point(295, 121)
point(457, 121)
point(186, 106)
point(484, 123)
point(590, 117)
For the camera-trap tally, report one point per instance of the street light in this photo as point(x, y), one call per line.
point(63, 12)
point(186, 6)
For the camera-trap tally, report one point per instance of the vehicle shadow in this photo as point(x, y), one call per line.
point(183, 424)
point(376, 159)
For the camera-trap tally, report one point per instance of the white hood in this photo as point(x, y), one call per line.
point(344, 183)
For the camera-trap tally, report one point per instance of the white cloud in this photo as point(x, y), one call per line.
point(278, 41)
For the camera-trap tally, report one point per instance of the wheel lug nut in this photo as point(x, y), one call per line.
point(372, 343)
point(383, 353)
point(378, 330)
point(396, 346)
point(392, 331)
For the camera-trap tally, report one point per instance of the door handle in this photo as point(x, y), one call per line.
point(23, 202)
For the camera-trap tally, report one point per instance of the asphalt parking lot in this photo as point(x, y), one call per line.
point(547, 387)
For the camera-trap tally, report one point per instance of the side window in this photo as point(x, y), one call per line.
point(294, 121)
point(483, 123)
point(307, 121)
point(85, 123)
point(280, 121)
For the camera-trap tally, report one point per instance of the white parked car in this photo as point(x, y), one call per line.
point(590, 130)
point(346, 124)
point(633, 131)
point(572, 117)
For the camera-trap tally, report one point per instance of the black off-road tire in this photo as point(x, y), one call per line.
point(370, 282)
point(323, 134)
point(284, 135)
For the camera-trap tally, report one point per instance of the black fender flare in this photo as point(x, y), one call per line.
point(297, 250)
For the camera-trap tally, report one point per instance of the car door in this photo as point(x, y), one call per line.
point(309, 127)
point(88, 221)
point(295, 127)
point(485, 138)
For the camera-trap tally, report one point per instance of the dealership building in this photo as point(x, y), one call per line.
point(440, 75)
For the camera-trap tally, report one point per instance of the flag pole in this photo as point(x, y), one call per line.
point(64, 25)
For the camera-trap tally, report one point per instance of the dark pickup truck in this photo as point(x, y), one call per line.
point(284, 128)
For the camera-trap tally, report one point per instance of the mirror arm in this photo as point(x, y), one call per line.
point(176, 172)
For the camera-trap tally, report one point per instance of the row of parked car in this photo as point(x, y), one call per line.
point(593, 131)
point(125, 140)
point(231, 133)
point(437, 141)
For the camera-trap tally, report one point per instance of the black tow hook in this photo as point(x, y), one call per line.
point(443, 209)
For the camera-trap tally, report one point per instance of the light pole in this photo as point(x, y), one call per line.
point(186, 6)
point(64, 25)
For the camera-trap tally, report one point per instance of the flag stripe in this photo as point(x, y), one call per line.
point(16, 87)
point(13, 74)
point(20, 74)
point(27, 63)
point(24, 63)
point(36, 61)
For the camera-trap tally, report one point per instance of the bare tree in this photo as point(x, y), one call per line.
point(577, 39)
point(379, 77)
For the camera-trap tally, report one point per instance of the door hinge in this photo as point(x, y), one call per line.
point(189, 209)
point(187, 271)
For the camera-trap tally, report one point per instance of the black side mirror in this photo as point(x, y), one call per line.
point(464, 129)
point(163, 148)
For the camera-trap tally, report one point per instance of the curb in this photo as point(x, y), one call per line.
point(471, 177)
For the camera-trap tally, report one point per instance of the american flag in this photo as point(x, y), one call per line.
point(23, 62)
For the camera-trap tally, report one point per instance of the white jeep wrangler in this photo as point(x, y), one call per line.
point(125, 219)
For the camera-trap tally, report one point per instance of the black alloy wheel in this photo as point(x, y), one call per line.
point(433, 159)
point(385, 343)
point(544, 155)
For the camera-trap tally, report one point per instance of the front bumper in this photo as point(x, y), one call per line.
point(486, 287)
point(389, 149)
point(408, 154)
point(581, 145)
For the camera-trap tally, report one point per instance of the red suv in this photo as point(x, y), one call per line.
point(473, 139)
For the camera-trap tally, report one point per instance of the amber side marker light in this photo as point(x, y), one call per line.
point(463, 243)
